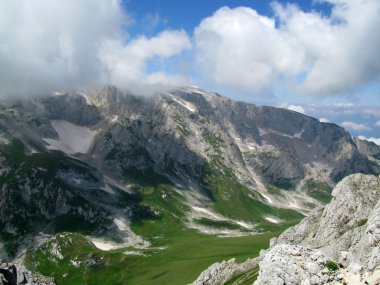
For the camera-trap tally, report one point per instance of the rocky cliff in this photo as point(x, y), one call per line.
point(99, 160)
point(335, 244)
point(10, 274)
point(346, 231)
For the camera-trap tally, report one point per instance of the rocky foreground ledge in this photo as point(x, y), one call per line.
point(336, 244)
point(10, 274)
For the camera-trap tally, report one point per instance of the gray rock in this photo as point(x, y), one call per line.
point(11, 275)
point(220, 273)
point(347, 229)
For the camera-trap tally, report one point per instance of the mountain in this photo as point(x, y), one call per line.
point(346, 232)
point(335, 244)
point(94, 179)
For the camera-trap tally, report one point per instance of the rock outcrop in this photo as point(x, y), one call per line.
point(10, 274)
point(219, 273)
point(299, 265)
point(337, 244)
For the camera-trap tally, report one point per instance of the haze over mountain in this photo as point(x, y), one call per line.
point(299, 53)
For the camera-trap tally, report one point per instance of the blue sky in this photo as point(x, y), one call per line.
point(187, 14)
point(319, 57)
point(349, 107)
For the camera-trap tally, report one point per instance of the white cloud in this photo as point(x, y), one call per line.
point(324, 120)
point(355, 127)
point(47, 45)
point(126, 64)
point(372, 112)
point(377, 124)
point(371, 139)
point(344, 105)
point(241, 49)
point(58, 45)
point(296, 108)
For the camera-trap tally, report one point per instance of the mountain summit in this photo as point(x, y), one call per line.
point(102, 169)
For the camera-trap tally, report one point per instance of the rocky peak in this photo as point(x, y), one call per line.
point(345, 235)
point(336, 244)
point(10, 274)
point(368, 148)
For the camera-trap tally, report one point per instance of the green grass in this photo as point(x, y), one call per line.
point(237, 202)
point(177, 254)
point(186, 256)
point(318, 190)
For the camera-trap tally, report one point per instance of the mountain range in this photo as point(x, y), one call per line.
point(105, 187)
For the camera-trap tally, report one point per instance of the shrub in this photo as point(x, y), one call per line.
point(331, 265)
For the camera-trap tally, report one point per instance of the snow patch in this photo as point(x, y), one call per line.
point(121, 224)
point(262, 132)
point(267, 198)
point(87, 99)
point(194, 89)
point(134, 252)
point(104, 245)
point(266, 131)
point(294, 206)
point(126, 188)
point(245, 225)
point(108, 189)
point(71, 138)
point(207, 212)
point(184, 103)
point(272, 220)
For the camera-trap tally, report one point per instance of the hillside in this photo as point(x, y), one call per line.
point(98, 181)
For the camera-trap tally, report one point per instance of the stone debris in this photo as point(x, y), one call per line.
point(219, 273)
point(11, 275)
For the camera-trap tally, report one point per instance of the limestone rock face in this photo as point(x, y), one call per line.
point(299, 265)
point(348, 223)
point(292, 265)
point(219, 273)
point(11, 275)
point(345, 232)
point(368, 148)
point(335, 244)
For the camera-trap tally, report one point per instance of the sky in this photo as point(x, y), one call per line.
point(317, 57)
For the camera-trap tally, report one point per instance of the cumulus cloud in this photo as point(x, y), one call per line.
point(49, 45)
point(324, 120)
point(57, 45)
point(242, 49)
point(296, 108)
point(371, 139)
point(126, 64)
point(355, 127)
point(377, 124)
point(322, 55)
